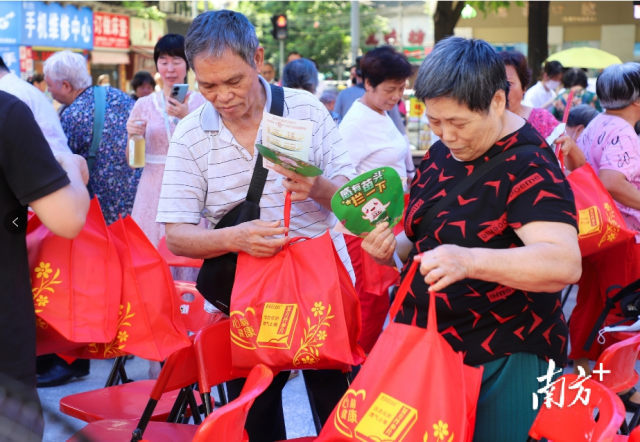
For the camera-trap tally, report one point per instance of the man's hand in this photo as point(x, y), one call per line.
point(253, 237)
point(300, 186)
point(445, 265)
point(381, 243)
point(177, 109)
point(72, 163)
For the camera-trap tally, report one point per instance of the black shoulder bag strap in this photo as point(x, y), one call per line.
point(469, 181)
point(259, 177)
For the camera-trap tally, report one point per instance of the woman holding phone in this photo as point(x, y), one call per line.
point(155, 117)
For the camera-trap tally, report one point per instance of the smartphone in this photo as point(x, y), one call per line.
point(179, 92)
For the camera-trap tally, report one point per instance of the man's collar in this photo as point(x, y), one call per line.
point(210, 119)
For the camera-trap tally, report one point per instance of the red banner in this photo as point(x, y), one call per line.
point(110, 30)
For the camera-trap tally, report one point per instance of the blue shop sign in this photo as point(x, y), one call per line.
point(11, 57)
point(57, 26)
point(10, 22)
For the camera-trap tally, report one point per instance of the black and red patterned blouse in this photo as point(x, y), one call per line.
point(485, 320)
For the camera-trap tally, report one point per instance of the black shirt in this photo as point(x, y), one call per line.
point(484, 320)
point(28, 172)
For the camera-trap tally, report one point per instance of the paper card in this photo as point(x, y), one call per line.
point(367, 200)
point(291, 137)
point(272, 156)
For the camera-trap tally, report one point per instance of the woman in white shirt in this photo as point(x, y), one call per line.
point(542, 94)
point(373, 140)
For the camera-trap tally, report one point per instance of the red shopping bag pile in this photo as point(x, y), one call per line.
point(295, 310)
point(103, 294)
point(600, 223)
point(413, 387)
point(76, 284)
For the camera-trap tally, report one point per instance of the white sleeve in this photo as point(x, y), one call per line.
point(329, 150)
point(184, 187)
point(355, 143)
point(408, 161)
point(52, 130)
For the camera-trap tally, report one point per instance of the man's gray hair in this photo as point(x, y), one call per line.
point(212, 33)
point(329, 96)
point(68, 66)
point(618, 86)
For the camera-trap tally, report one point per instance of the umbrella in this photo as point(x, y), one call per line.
point(589, 58)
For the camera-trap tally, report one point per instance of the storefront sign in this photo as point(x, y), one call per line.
point(110, 30)
point(26, 62)
point(10, 22)
point(11, 57)
point(57, 26)
point(145, 32)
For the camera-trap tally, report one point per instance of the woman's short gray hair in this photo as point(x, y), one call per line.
point(468, 71)
point(300, 74)
point(618, 86)
point(212, 33)
point(68, 66)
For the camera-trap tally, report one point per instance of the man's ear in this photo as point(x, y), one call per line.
point(258, 58)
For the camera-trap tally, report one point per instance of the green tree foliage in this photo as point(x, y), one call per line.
point(319, 30)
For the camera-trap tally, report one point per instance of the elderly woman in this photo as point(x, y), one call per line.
point(302, 74)
point(112, 181)
point(611, 147)
point(497, 255)
point(373, 141)
point(519, 76)
point(575, 80)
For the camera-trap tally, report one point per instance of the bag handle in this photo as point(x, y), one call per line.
point(99, 107)
point(609, 304)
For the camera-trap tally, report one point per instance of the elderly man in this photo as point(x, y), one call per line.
point(268, 73)
point(210, 163)
point(42, 110)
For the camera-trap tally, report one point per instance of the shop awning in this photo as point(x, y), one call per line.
point(142, 50)
point(109, 57)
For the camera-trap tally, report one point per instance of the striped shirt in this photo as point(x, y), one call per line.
point(208, 172)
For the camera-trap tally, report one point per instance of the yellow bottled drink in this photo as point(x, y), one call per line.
point(137, 148)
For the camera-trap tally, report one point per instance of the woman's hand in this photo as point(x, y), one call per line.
point(177, 109)
point(381, 244)
point(136, 127)
point(573, 155)
point(445, 265)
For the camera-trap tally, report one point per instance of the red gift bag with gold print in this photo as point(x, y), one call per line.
point(149, 322)
point(295, 310)
point(76, 284)
point(413, 387)
point(600, 223)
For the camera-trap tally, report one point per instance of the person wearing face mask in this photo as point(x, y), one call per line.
point(542, 94)
point(518, 76)
point(373, 141)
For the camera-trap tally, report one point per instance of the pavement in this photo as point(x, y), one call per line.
point(60, 427)
point(298, 420)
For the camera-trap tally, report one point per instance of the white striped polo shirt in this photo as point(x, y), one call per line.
point(208, 172)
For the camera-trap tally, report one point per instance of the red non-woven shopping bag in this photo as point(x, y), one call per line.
point(149, 322)
point(76, 284)
point(413, 387)
point(295, 310)
point(599, 220)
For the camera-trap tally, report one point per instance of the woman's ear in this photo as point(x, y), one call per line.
point(579, 130)
point(499, 102)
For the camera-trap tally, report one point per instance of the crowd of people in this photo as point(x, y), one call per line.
point(495, 260)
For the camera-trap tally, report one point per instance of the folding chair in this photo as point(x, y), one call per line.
point(576, 423)
point(213, 356)
point(191, 306)
point(176, 377)
point(619, 360)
